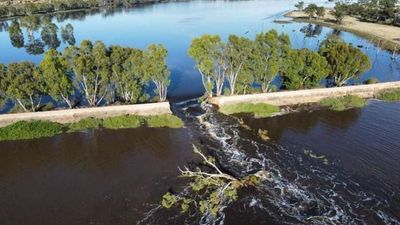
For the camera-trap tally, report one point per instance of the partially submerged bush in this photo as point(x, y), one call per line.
point(164, 121)
point(29, 130)
point(343, 103)
point(259, 110)
point(371, 80)
point(120, 122)
point(85, 124)
point(390, 96)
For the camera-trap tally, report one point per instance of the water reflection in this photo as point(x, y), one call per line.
point(311, 30)
point(34, 25)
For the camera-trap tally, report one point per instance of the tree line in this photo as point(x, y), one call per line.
point(91, 74)
point(13, 8)
point(377, 11)
point(246, 64)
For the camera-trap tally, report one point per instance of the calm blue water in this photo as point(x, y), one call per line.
point(176, 24)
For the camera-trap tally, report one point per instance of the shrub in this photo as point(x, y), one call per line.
point(29, 130)
point(121, 122)
point(259, 110)
point(390, 96)
point(85, 124)
point(343, 103)
point(167, 120)
point(371, 80)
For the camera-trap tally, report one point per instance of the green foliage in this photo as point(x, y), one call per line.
point(259, 110)
point(207, 51)
point(168, 200)
point(372, 80)
point(166, 120)
point(311, 10)
point(345, 61)
point(343, 103)
point(304, 69)
point(85, 124)
point(21, 85)
point(156, 70)
point(29, 130)
point(127, 74)
point(390, 96)
point(339, 12)
point(49, 34)
point(120, 122)
point(54, 73)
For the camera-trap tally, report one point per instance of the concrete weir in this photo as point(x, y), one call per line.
point(74, 115)
point(284, 98)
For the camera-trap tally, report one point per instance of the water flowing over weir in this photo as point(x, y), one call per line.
point(302, 190)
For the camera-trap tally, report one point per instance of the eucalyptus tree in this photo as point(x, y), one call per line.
point(304, 69)
point(320, 12)
point(91, 66)
point(155, 69)
point(16, 35)
point(209, 51)
point(238, 50)
point(345, 61)
point(3, 85)
point(339, 12)
point(53, 71)
point(49, 34)
point(127, 74)
point(22, 87)
point(311, 10)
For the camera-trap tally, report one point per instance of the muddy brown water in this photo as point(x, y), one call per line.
point(98, 177)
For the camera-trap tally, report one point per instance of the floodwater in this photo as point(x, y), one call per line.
point(108, 177)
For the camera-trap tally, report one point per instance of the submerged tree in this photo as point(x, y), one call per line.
point(210, 191)
point(345, 61)
point(22, 86)
point(16, 35)
point(127, 74)
point(208, 52)
point(156, 70)
point(304, 69)
point(54, 73)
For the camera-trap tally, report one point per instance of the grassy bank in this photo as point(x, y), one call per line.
point(259, 110)
point(390, 96)
point(343, 103)
point(35, 129)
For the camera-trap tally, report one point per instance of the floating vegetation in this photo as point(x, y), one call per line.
point(390, 96)
point(259, 110)
point(343, 103)
point(312, 155)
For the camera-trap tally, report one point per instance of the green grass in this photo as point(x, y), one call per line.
point(259, 110)
point(343, 103)
point(30, 130)
point(121, 122)
point(36, 129)
point(167, 120)
point(85, 124)
point(390, 96)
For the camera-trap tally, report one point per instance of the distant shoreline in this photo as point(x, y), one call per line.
point(384, 36)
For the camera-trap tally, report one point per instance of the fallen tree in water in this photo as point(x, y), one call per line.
point(210, 189)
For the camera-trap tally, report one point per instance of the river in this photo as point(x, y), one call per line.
point(118, 177)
